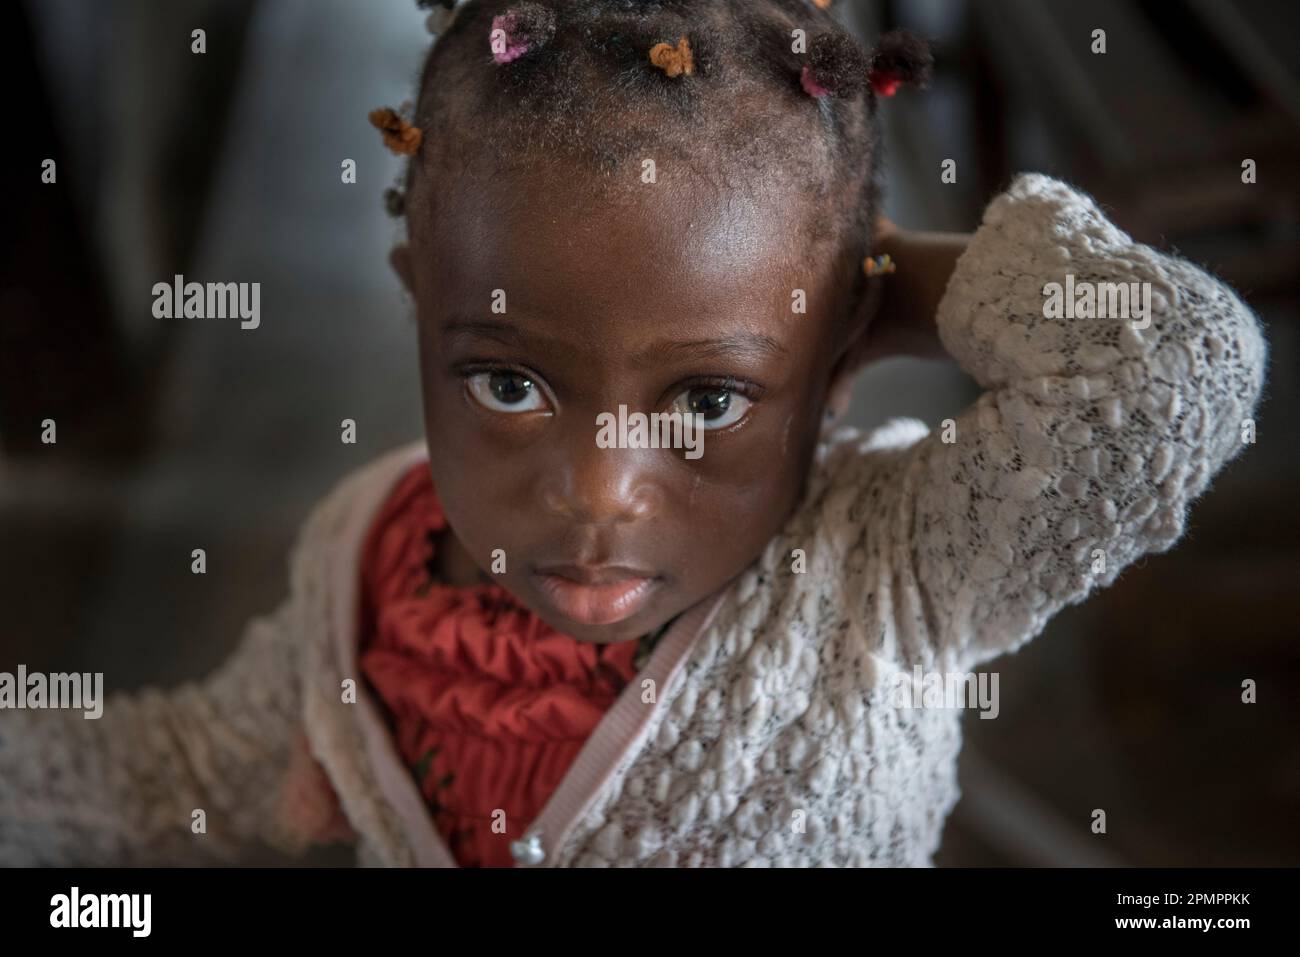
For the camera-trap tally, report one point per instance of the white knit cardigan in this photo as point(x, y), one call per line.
point(762, 731)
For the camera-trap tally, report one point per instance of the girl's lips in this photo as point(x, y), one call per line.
point(593, 603)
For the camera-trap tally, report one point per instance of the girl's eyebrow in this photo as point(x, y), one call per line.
point(502, 332)
point(744, 345)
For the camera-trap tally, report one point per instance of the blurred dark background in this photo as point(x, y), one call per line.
point(175, 434)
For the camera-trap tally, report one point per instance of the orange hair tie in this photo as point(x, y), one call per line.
point(673, 60)
point(879, 265)
point(399, 136)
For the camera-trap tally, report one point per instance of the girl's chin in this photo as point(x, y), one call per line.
point(611, 634)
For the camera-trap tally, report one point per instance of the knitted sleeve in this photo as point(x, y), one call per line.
point(124, 789)
point(1093, 434)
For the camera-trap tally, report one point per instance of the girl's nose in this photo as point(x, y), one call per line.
point(595, 486)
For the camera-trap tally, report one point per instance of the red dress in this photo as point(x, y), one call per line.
point(488, 704)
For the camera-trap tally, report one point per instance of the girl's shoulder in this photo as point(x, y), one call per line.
point(852, 460)
point(848, 447)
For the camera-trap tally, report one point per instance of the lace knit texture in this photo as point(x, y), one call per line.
point(777, 743)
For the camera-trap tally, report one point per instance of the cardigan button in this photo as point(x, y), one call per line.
point(528, 851)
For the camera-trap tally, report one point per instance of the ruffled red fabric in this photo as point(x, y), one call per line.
point(488, 704)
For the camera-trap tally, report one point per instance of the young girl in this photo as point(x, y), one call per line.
point(515, 644)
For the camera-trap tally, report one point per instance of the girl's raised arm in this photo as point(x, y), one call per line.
point(1118, 381)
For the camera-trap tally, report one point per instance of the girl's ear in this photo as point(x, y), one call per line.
point(400, 260)
point(838, 397)
point(855, 354)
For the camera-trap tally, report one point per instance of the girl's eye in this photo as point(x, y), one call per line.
point(505, 391)
point(719, 407)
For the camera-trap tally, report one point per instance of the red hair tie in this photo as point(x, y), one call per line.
point(884, 82)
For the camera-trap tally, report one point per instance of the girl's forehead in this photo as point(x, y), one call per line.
point(679, 239)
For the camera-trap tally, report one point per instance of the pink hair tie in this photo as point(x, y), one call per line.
point(811, 86)
point(836, 66)
point(519, 31)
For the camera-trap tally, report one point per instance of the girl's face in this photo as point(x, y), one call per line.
point(675, 299)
